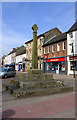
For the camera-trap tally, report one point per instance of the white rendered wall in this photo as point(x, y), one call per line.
point(76, 42)
point(69, 48)
point(19, 58)
point(7, 59)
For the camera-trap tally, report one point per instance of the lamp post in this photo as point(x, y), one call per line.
point(73, 59)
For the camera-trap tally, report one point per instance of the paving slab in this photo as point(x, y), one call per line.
point(60, 105)
point(52, 106)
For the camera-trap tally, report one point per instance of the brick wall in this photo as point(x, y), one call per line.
point(56, 53)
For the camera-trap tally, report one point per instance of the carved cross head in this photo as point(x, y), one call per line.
point(34, 28)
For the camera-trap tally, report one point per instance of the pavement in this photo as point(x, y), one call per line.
point(52, 106)
point(68, 79)
point(61, 105)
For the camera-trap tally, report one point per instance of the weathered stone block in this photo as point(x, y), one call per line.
point(35, 71)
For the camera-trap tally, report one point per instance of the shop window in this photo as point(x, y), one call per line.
point(63, 66)
point(40, 41)
point(58, 47)
point(49, 66)
point(49, 49)
point(64, 45)
point(40, 51)
point(53, 48)
point(72, 64)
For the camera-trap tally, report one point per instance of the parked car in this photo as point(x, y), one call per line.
point(7, 72)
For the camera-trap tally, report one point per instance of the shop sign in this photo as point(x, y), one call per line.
point(55, 60)
point(16, 64)
point(19, 62)
point(45, 56)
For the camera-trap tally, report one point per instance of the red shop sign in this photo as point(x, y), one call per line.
point(55, 60)
point(45, 56)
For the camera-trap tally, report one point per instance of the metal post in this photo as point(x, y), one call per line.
point(73, 60)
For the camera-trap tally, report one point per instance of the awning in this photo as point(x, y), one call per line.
point(11, 64)
point(6, 65)
point(19, 62)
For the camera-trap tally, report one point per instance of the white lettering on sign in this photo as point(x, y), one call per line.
point(54, 60)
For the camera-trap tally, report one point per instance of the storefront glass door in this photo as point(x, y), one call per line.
point(56, 67)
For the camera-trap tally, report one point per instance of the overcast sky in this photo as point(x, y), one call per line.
point(18, 18)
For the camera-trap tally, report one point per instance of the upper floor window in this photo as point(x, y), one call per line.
point(71, 34)
point(53, 48)
point(48, 49)
point(40, 51)
point(58, 47)
point(44, 50)
point(64, 45)
point(40, 41)
point(30, 51)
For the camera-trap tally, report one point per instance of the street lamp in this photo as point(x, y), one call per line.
point(72, 51)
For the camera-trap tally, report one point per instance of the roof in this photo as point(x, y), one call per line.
point(32, 39)
point(54, 31)
point(14, 50)
point(21, 50)
point(56, 39)
point(4, 57)
point(73, 28)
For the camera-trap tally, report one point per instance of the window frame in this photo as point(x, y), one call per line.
point(64, 45)
point(53, 48)
point(58, 46)
point(71, 34)
point(48, 49)
point(44, 50)
point(40, 51)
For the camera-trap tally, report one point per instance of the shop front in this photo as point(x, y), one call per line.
point(55, 65)
point(72, 64)
point(12, 65)
point(6, 65)
point(18, 66)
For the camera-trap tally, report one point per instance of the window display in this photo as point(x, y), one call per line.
point(72, 63)
point(56, 67)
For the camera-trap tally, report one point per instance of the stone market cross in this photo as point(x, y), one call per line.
point(34, 49)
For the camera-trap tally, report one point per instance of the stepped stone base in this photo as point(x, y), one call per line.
point(34, 77)
point(35, 84)
point(35, 71)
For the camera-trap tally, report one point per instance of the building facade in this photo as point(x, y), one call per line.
point(72, 49)
point(10, 59)
point(7, 60)
point(20, 59)
point(41, 39)
point(55, 55)
point(2, 61)
point(20, 65)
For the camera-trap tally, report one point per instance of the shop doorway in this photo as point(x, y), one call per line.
point(23, 67)
point(55, 67)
